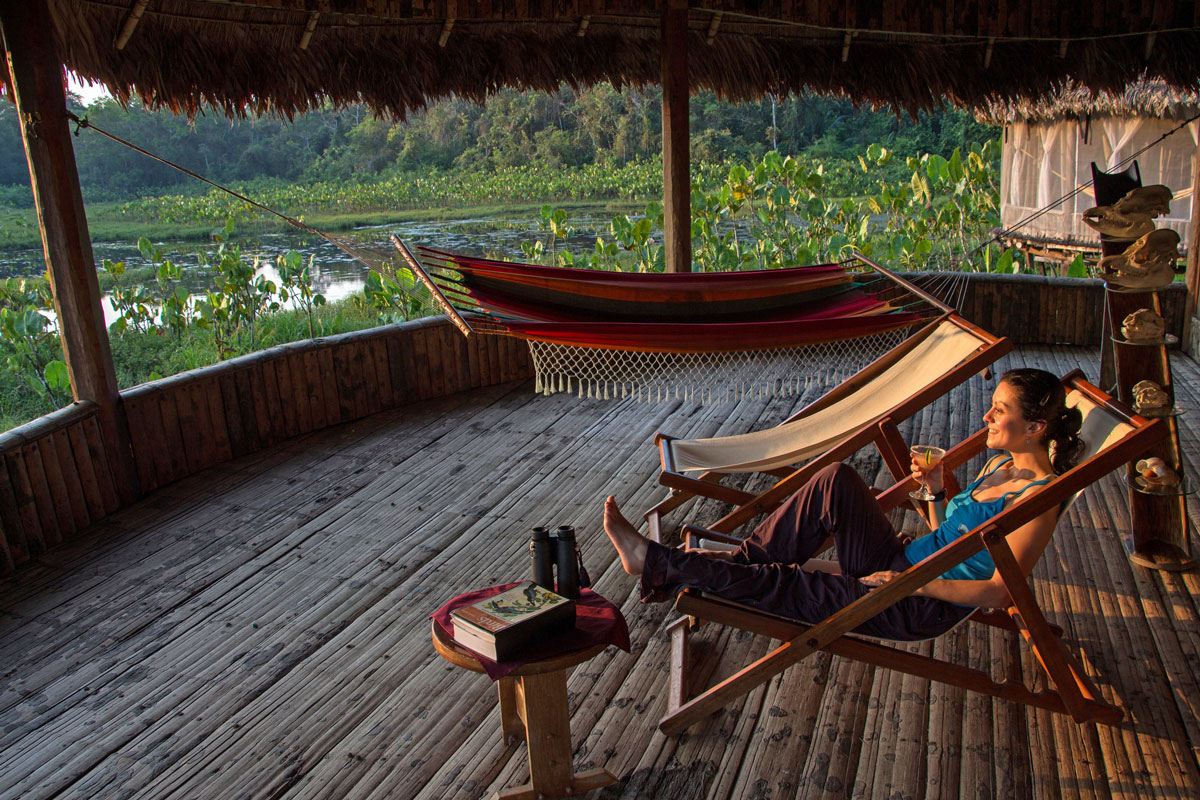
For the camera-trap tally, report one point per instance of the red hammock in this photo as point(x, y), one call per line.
point(664, 312)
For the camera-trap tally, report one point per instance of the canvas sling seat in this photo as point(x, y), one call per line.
point(928, 365)
point(1114, 436)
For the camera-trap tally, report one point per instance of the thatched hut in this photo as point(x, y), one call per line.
point(218, 584)
point(1050, 144)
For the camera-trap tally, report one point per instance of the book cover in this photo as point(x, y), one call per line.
point(501, 625)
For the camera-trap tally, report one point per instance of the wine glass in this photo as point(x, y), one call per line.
point(929, 457)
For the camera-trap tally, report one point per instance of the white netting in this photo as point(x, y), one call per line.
point(703, 377)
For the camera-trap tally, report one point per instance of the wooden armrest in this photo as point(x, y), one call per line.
point(693, 533)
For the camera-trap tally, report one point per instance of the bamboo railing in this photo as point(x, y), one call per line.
point(56, 478)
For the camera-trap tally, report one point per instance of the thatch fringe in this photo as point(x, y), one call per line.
point(1145, 98)
point(245, 57)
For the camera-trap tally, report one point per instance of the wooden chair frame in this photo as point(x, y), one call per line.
point(1074, 693)
point(883, 432)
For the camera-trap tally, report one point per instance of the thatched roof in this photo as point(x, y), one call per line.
point(1141, 99)
point(397, 55)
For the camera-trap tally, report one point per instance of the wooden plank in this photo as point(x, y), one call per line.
point(232, 408)
point(263, 409)
point(347, 382)
point(471, 346)
point(139, 438)
point(246, 409)
point(403, 366)
point(156, 441)
point(424, 370)
point(191, 433)
point(26, 503)
point(7, 562)
point(98, 456)
point(490, 367)
point(329, 386)
point(73, 482)
point(222, 444)
point(315, 390)
point(283, 415)
point(364, 358)
point(293, 391)
point(382, 373)
point(52, 467)
point(173, 436)
point(202, 438)
point(52, 528)
point(16, 546)
point(452, 358)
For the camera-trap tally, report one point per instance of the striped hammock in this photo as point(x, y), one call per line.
point(701, 336)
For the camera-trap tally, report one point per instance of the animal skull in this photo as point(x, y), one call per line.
point(1149, 397)
point(1153, 201)
point(1144, 325)
point(1148, 263)
point(1129, 217)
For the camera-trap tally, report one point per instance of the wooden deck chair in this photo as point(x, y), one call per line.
point(1113, 435)
point(863, 410)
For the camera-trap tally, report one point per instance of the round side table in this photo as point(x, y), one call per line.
point(533, 705)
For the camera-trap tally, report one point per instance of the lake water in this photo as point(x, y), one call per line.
point(335, 274)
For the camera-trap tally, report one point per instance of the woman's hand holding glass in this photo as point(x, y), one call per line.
point(926, 467)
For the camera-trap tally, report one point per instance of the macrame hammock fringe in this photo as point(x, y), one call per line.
point(702, 378)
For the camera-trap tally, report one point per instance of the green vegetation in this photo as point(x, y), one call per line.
point(161, 332)
point(770, 213)
point(532, 147)
point(784, 212)
point(595, 149)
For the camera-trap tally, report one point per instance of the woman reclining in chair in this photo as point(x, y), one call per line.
point(774, 570)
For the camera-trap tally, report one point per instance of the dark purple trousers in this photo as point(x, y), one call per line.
point(765, 572)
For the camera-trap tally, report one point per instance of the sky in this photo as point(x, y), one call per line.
point(89, 93)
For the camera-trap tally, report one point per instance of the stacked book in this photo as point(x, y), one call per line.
point(499, 627)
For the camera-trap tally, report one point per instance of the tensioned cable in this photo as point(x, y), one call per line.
point(1046, 209)
point(355, 250)
point(344, 246)
point(83, 123)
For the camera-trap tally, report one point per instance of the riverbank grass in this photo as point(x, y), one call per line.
point(106, 223)
point(142, 357)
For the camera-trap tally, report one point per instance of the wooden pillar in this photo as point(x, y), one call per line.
point(677, 187)
point(36, 78)
point(1193, 264)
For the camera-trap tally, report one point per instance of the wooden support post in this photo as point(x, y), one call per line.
point(1193, 265)
point(677, 198)
point(36, 77)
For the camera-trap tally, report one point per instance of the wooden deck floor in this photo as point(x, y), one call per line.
point(260, 631)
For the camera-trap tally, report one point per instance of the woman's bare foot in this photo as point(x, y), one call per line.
point(631, 545)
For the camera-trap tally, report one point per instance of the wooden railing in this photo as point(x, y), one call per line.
point(1032, 309)
point(56, 479)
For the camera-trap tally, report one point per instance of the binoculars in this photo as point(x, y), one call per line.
point(551, 552)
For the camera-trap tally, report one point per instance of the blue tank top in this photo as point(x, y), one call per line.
point(965, 513)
